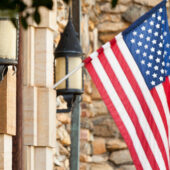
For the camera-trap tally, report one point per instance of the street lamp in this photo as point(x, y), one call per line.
point(68, 55)
point(9, 42)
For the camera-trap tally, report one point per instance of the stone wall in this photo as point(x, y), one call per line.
point(102, 146)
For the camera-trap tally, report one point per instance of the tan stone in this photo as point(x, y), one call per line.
point(43, 158)
point(148, 2)
point(86, 98)
point(112, 27)
point(87, 113)
point(85, 158)
point(44, 57)
point(28, 44)
point(64, 118)
point(28, 161)
point(106, 7)
point(98, 146)
point(100, 158)
point(63, 136)
point(30, 115)
point(115, 144)
point(121, 157)
point(85, 147)
point(103, 166)
point(87, 87)
point(48, 17)
point(46, 117)
point(6, 161)
point(85, 134)
point(107, 37)
point(95, 93)
point(5, 143)
point(8, 103)
point(125, 1)
point(110, 17)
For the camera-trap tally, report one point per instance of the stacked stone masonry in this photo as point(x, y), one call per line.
point(102, 146)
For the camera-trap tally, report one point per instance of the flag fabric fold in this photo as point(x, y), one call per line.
point(131, 73)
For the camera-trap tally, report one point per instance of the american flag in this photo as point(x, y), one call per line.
point(131, 73)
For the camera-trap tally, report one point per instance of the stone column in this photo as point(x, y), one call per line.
point(39, 99)
point(7, 118)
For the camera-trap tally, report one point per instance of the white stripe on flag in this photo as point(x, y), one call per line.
point(136, 106)
point(145, 91)
point(121, 110)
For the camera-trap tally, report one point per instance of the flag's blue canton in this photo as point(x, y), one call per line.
point(149, 44)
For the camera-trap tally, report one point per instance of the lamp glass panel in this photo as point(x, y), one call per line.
point(75, 80)
point(8, 40)
point(60, 72)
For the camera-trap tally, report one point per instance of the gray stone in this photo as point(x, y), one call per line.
point(121, 157)
point(104, 126)
point(98, 107)
point(86, 124)
point(133, 13)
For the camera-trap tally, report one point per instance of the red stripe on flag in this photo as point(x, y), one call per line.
point(114, 114)
point(141, 100)
point(160, 107)
point(166, 85)
point(122, 95)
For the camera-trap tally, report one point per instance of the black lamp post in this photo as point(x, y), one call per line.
point(68, 55)
point(9, 42)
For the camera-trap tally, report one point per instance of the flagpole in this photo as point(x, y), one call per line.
point(68, 75)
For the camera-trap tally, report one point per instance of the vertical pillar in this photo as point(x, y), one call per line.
point(7, 118)
point(39, 107)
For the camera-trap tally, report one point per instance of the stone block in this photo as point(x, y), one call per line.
point(64, 118)
point(5, 143)
point(44, 58)
point(48, 17)
point(101, 166)
point(8, 103)
point(98, 146)
point(85, 158)
point(43, 158)
point(46, 109)
point(115, 144)
point(85, 147)
point(150, 3)
point(85, 134)
point(121, 157)
point(28, 160)
point(28, 44)
point(5, 152)
point(106, 7)
point(112, 27)
point(95, 93)
point(100, 158)
point(30, 115)
point(63, 136)
point(104, 126)
point(99, 108)
point(126, 167)
point(86, 98)
point(6, 161)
